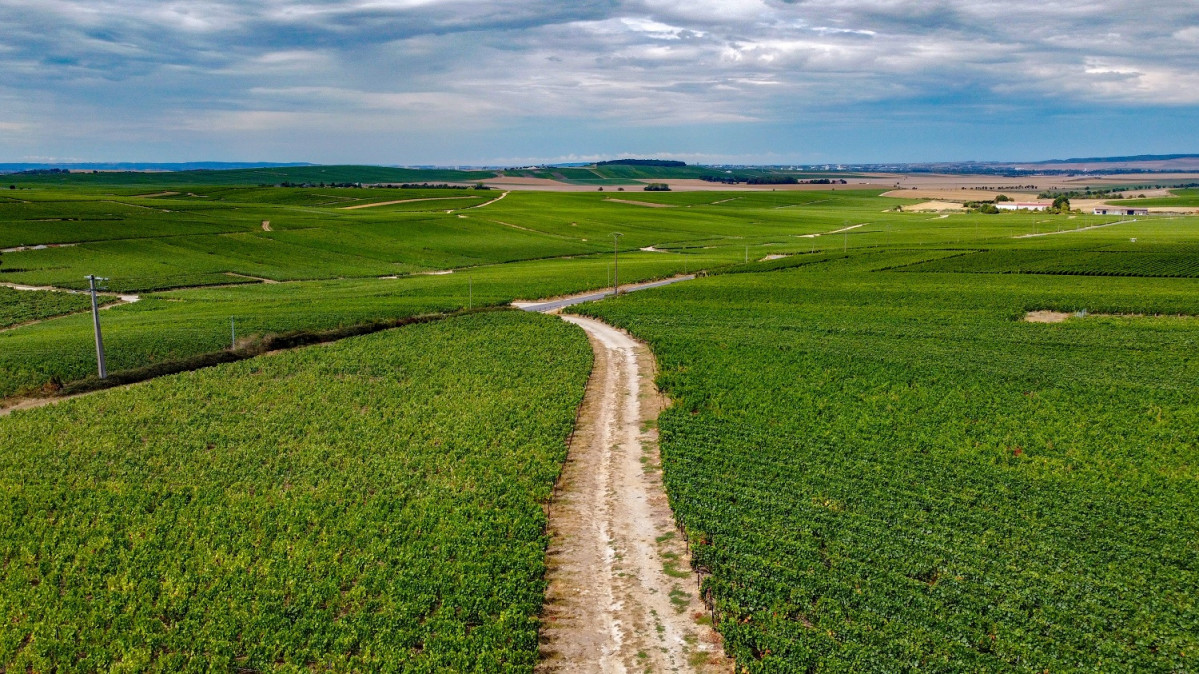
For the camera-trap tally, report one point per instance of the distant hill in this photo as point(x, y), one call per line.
point(258, 175)
point(143, 166)
point(1116, 160)
point(642, 162)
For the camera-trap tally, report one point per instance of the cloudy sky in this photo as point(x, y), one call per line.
point(515, 81)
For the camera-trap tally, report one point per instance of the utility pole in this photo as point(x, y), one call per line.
point(616, 262)
point(91, 280)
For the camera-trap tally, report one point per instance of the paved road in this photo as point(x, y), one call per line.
point(554, 305)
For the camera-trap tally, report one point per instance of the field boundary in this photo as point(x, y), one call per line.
point(266, 345)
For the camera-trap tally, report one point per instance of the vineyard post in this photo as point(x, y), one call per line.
point(232, 332)
point(470, 293)
point(91, 280)
point(747, 255)
point(616, 262)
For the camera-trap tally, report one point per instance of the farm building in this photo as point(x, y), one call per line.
point(1023, 206)
point(1120, 210)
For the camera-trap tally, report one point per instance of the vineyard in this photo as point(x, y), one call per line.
point(889, 471)
point(878, 464)
point(1182, 262)
point(23, 306)
point(367, 506)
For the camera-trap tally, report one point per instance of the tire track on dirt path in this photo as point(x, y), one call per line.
point(620, 596)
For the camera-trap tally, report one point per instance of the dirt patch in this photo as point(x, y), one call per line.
point(647, 204)
point(621, 595)
point(1047, 316)
point(934, 206)
point(266, 226)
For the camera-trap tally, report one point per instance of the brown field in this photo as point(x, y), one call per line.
point(931, 186)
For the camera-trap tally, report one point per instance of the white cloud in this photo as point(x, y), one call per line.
point(435, 65)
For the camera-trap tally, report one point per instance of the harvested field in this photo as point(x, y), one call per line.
point(934, 206)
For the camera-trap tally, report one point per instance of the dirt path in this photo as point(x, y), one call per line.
point(401, 201)
point(558, 303)
point(43, 246)
point(621, 596)
point(34, 403)
point(835, 231)
point(260, 279)
point(486, 203)
point(127, 298)
point(647, 204)
point(1067, 231)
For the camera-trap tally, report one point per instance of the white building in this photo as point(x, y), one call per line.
point(1120, 210)
point(1023, 206)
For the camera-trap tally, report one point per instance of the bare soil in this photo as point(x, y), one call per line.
point(935, 206)
point(621, 595)
point(1047, 316)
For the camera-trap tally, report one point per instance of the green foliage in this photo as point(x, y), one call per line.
point(1182, 261)
point(373, 505)
point(657, 187)
point(22, 306)
point(886, 471)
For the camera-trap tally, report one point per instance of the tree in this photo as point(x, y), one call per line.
point(1002, 197)
point(1061, 204)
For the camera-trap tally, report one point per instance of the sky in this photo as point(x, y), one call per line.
point(508, 82)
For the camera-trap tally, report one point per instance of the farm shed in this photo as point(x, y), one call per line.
point(1120, 210)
